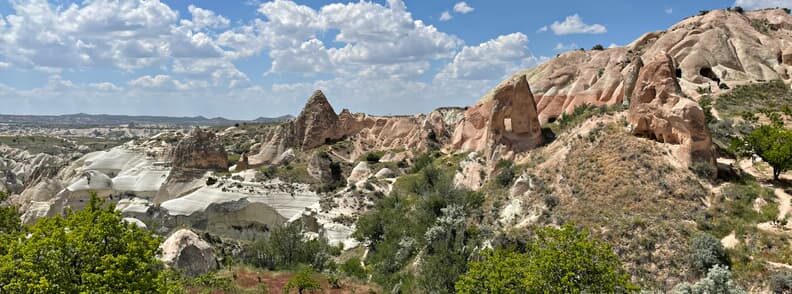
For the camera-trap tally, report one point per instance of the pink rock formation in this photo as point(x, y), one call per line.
point(506, 121)
point(659, 111)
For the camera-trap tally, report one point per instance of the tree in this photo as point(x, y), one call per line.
point(564, 260)
point(598, 47)
point(302, 281)
point(718, 280)
point(92, 250)
point(9, 217)
point(772, 143)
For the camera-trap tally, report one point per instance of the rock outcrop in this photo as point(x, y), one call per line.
point(660, 112)
point(317, 124)
point(503, 123)
point(200, 150)
point(188, 253)
point(719, 49)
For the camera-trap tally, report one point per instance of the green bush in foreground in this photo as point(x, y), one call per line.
point(89, 251)
point(718, 280)
point(564, 260)
point(302, 281)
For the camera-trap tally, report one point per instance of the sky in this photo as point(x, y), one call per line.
point(251, 58)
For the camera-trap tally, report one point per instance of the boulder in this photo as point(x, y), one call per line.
point(385, 173)
point(185, 251)
point(200, 150)
point(659, 111)
point(506, 121)
point(359, 173)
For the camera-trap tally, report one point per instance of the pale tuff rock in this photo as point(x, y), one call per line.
point(385, 173)
point(360, 173)
point(504, 122)
point(317, 123)
point(658, 111)
point(472, 174)
point(188, 253)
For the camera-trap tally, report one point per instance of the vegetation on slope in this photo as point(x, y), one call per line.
point(754, 98)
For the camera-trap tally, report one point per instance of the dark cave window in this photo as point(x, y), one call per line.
point(679, 73)
point(708, 73)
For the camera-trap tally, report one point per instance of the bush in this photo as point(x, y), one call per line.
point(718, 280)
point(302, 281)
point(706, 251)
point(787, 10)
point(353, 268)
point(374, 157)
point(287, 248)
point(737, 9)
point(506, 173)
point(9, 219)
point(564, 260)
point(703, 12)
point(598, 47)
point(781, 282)
point(773, 143)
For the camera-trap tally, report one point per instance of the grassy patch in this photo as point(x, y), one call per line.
point(754, 98)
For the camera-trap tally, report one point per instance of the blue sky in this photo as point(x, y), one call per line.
point(244, 59)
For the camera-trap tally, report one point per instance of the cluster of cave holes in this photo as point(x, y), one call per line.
point(706, 72)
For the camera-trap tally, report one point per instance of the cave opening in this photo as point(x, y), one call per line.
point(678, 73)
point(708, 73)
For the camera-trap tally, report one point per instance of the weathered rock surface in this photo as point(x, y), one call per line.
point(658, 111)
point(720, 47)
point(504, 122)
point(188, 253)
point(200, 150)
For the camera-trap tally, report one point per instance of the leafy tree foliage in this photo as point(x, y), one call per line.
point(287, 247)
point(773, 143)
point(302, 282)
point(9, 218)
point(90, 251)
point(564, 260)
point(718, 280)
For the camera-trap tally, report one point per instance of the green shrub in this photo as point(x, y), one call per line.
point(754, 98)
point(564, 260)
point(374, 157)
point(287, 248)
point(352, 268)
point(506, 173)
point(597, 47)
point(781, 282)
point(718, 280)
point(303, 281)
point(706, 251)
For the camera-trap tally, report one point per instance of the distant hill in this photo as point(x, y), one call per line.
point(83, 119)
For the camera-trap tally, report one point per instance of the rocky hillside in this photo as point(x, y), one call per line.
point(613, 140)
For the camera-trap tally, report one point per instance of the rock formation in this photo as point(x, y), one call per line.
point(659, 111)
point(505, 122)
point(720, 47)
point(188, 253)
point(200, 150)
point(316, 124)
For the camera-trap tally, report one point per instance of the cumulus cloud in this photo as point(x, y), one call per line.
point(574, 24)
point(669, 10)
point(445, 16)
point(757, 4)
point(203, 18)
point(565, 47)
point(463, 8)
point(490, 60)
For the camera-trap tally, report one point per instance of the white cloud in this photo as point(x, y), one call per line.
point(613, 45)
point(105, 87)
point(463, 8)
point(490, 60)
point(445, 16)
point(4, 65)
point(669, 10)
point(542, 29)
point(566, 47)
point(757, 4)
point(203, 18)
point(574, 24)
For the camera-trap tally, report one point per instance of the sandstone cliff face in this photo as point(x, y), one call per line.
point(188, 253)
point(505, 122)
point(659, 111)
point(720, 47)
point(200, 150)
